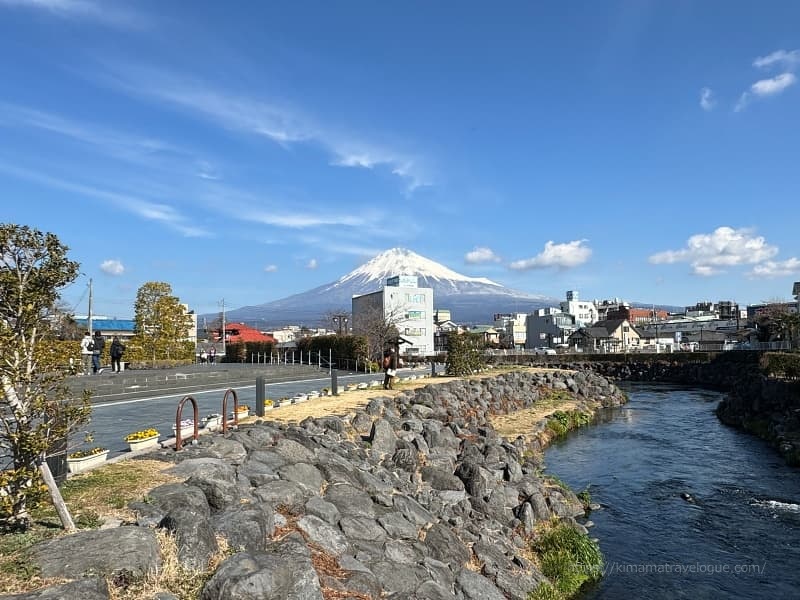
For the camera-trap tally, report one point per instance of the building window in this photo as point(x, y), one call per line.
point(415, 298)
point(415, 314)
point(416, 331)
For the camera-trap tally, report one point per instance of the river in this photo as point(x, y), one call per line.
point(737, 536)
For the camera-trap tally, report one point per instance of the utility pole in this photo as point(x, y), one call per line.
point(223, 326)
point(91, 332)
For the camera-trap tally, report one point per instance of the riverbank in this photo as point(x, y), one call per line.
point(414, 494)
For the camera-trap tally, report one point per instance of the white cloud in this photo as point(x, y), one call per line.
point(271, 119)
point(270, 268)
point(561, 256)
point(108, 141)
point(165, 214)
point(707, 253)
point(771, 268)
point(481, 255)
point(102, 12)
point(312, 264)
point(784, 59)
point(766, 87)
point(707, 101)
point(112, 267)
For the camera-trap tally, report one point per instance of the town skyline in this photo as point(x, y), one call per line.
point(632, 151)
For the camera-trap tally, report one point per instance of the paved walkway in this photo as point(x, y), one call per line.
point(107, 386)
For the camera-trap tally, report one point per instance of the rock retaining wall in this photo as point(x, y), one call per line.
point(414, 497)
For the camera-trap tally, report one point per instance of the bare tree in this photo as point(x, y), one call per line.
point(378, 327)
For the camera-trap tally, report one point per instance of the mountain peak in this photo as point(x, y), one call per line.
point(402, 261)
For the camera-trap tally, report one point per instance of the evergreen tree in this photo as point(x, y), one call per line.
point(36, 408)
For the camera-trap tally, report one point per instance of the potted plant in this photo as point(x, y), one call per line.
point(326, 391)
point(268, 404)
point(187, 428)
point(242, 411)
point(211, 421)
point(83, 460)
point(141, 440)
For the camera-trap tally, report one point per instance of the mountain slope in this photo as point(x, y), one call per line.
point(470, 299)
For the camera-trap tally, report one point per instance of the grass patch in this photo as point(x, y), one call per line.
point(569, 559)
point(91, 498)
point(586, 499)
point(561, 421)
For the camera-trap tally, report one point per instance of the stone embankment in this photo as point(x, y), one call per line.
point(414, 497)
point(765, 406)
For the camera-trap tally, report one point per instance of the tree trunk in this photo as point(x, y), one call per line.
point(55, 496)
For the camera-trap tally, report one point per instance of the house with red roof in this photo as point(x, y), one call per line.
point(236, 333)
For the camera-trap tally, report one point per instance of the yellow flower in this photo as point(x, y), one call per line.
point(85, 453)
point(141, 435)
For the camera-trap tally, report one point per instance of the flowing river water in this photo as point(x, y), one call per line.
point(690, 508)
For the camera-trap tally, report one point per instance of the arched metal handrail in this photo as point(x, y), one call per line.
point(225, 410)
point(178, 413)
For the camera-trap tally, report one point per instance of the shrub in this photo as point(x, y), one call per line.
point(568, 558)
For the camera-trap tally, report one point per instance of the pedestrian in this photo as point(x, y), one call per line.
point(389, 368)
point(203, 356)
point(98, 343)
point(117, 349)
point(212, 355)
point(87, 346)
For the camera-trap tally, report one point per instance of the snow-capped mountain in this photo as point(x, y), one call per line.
point(469, 299)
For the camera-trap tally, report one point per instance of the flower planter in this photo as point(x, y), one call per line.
point(212, 422)
point(137, 445)
point(241, 414)
point(85, 463)
point(268, 407)
point(186, 432)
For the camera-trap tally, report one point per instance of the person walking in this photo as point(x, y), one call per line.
point(212, 355)
point(117, 349)
point(389, 368)
point(98, 343)
point(203, 356)
point(87, 347)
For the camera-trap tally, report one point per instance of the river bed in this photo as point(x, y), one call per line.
point(690, 508)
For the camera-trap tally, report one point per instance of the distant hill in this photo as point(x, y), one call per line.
point(469, 299)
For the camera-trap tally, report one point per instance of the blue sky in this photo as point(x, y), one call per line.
point(252, 150)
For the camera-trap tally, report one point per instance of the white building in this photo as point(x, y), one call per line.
point(585, 313)
point(512, 329)
point(406, 305)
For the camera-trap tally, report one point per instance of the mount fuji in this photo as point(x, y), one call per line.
point(469, 299)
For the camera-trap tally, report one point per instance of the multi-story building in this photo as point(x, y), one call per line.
point(402, 303)
point(585, 313)
point(512, 329)
point(548, 327)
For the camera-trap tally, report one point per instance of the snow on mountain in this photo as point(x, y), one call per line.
point(470, 299)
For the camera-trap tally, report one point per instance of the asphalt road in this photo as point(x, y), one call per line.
point(113, 420)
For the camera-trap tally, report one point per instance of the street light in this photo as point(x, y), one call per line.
point(340, 321)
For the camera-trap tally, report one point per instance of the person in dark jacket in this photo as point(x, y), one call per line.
point(99, 343)
point(389, 368)
point(117, 349)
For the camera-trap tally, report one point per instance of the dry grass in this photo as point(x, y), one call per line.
point(92, 498)
point(522, 422)
point(172, 577)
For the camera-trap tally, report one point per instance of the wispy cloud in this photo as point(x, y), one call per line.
point(709, 253)
point(112, 267)
point(559, 256)
point(270, 268)
point(785, 59)
point(166, 215)
point(272, 119)
point(707, 100)
point(766, 87)
point(106, 13)
point(480, 255)
point(107, 141)
point(312, 264)
point(769, 269)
